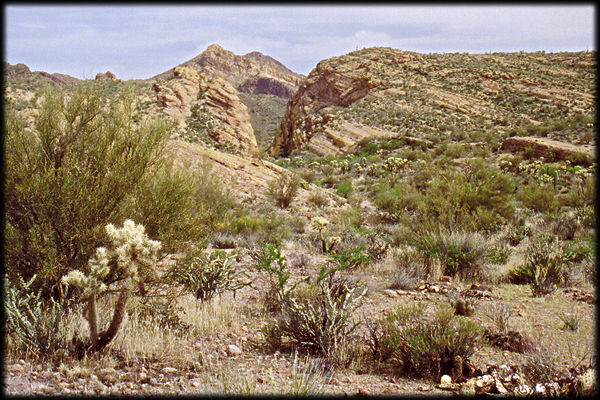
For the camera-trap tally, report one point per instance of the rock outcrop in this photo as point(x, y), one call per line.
point(106, 75)
point(250, 73)
point(550, 149)
point(21, 73)
point(217, 98)
point(422, 95)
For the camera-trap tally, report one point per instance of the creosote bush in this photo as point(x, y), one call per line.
point(79, 165)
point(421, 345)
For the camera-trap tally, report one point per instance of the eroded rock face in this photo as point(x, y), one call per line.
point(21, 72)
point(218, 99)
point(106, 75)
point(551, 149)
point(267, 85)
point(251, 73)
point(338, 81)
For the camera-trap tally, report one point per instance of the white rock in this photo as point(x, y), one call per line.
point(390, 293)
point(540, 389)
point(446, 380)
point(233, 350)
point(169, 370)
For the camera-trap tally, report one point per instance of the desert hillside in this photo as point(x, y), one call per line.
point(433, 96)
point(421, 224)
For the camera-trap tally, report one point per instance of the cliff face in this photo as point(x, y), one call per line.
point(383, 91)
point(251, 73)
point(230, 120)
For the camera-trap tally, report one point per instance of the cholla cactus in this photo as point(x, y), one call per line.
point(132, 258)
point(394, 164)
point(319, 223)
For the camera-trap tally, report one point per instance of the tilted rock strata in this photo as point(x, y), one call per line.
point(551, 149)
point(217, 98)
point(414, 94)
point(251, 73)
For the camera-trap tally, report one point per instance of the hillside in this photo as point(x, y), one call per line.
point(433, 96)
point(425, 224)
point(21, 74)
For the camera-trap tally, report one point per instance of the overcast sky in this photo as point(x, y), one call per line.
point(142, 41)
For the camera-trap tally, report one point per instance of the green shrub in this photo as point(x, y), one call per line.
point(179, 205)
point(546, 266)
point(344, 189)
point(284, 189)
point(322, 316)
point(206, 275)
point(70, 173)
point(318, 199)
point(461, 253)
point(428, 347)
point(34, 322)
point(540, 198)
point(479, 198)
point(394, 201)
point(498, 254)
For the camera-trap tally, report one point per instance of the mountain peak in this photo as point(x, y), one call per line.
point(214, 48)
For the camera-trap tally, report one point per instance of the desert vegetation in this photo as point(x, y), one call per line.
point(427, 261)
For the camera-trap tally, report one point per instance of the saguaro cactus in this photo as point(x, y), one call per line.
point(130, 260)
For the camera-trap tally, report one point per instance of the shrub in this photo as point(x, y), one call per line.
point(322, 316)
point(540, 198)
point(396, 200)
point(70, 173)
point(178, 205)
point(479, 198)
point(461, 253)
point(206, 275)
point(34, 322)
point(570, 321)
point(546, 266)
point(499, 314)
point(428, 347)
point(344, 189)
point(318, 199)
point(411, 266)
point(284, 189)
point(498, 254)
point(274, 263)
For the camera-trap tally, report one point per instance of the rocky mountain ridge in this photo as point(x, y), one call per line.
point(416, 94)
point(22, 73)
point(251, 73)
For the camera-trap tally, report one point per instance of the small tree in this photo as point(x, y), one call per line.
point(130, 260)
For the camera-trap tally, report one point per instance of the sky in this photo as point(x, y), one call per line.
point(137, 41)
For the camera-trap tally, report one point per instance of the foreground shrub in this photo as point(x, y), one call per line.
point(70, 173)
point(206, 275)
point(322, 315)
point(35, 323)
point(462, 254)
point(425, 346)
point(178, 205)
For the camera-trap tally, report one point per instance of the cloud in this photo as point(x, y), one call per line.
point(141, 41)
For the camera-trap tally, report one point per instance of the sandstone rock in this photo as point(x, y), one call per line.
point(390, 293)
point(250, 73)
point(445, 380)
point(544, 147)
point(230, 120)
